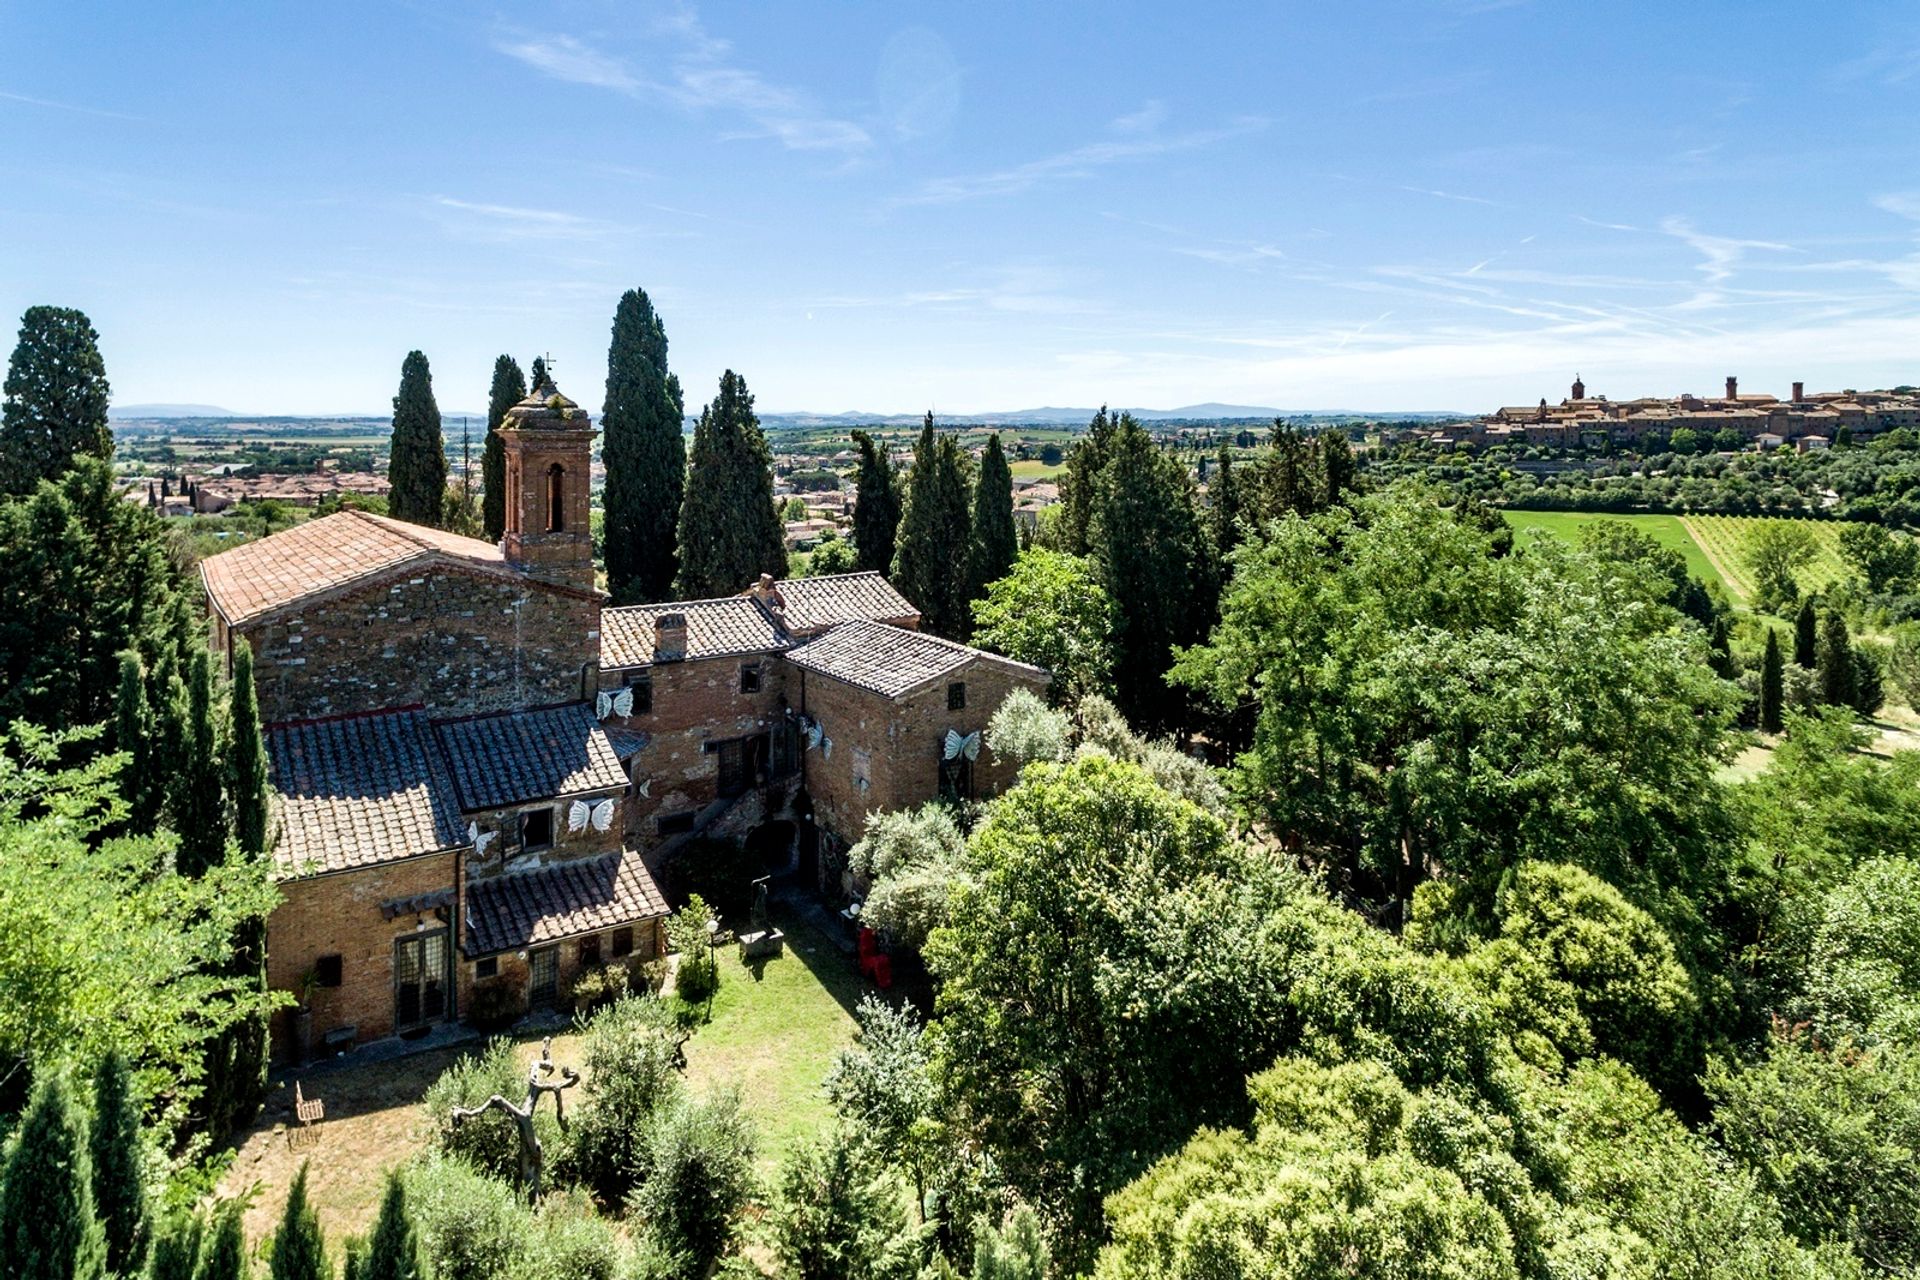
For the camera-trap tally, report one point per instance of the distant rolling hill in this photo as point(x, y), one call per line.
point(170, 411)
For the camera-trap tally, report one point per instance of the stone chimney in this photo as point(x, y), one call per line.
point(1733, 388)
point(670, 637)
point(1799, 392)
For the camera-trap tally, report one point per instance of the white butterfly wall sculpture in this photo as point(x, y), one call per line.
point(577, 814)
point(957, 746)
point(480, 839)
point(602, 817)
point(826, 748)
point(612, 703)
point(644, 788)
point(814, 735)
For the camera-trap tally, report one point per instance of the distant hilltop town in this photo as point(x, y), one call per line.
point(1808, 422)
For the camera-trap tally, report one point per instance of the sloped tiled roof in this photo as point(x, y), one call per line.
point(528, 755)
point(359, 790)
point(715, 629)
point(324, 555)
point(814, 603)
point(560, 900)
point(888, 660)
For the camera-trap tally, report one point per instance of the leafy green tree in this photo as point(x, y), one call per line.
point(1080, 484)
point(199, 800)
point(1806, 637)
point(223, 1254)
point(883, 1089)
point(393, 1247)
point(729, 532)
point(1017, 1251)
point(1885, 560)
point(995, 540)
point(629, 1053)
point(417, 463)
point(1053, 611)
point(509, 388)
point(644, 452)
point(119, 1189)
point(931, 558)
point(1057, 1044)
point(1024, 728)
point(1839, 686)
point(876, 505)
point(835, 1217)
point(55, 399)
point(1772, 685)
point(832, 554)
point(48, 1228)
point(299, 1250)
point(700, 1160)
point(1154, 562)
point(911, 859)
point(1776, 551)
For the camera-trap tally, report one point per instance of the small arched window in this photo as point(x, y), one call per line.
point(556, 490)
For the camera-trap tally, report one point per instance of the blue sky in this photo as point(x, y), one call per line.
point(890, 206)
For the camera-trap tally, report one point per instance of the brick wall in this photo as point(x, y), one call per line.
point(513, 970)
point(504, 852)
point(340, 915)
point(457, 643)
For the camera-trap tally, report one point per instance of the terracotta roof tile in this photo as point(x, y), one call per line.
point(814, 603)
point(504, 759)
point(715, 629)
point(324, 555)
point(560, 900)
point(359, 790)
point(887, 660)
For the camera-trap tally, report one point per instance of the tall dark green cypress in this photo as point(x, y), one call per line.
point(1153, 559)
point(1806, 637)
point(1079, 484)
point(133, 733)
point(417, 466)
point(1772, 686)
point(1838, 678)
point(176, 1250)
point(932, 556)
point(645, 455)
point(1720, 650)
point(199, 808)
point(246, 756)
point(729, 531)
point(223, 1254)
point(509, 388)
point(996, 542)
point(48, 1227)
point(299, 1251)
point(876, 505)
point(119, 1191)
point(1223, 497)
point(393, 1249)
point(55, 399)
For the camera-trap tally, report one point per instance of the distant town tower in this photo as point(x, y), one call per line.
point(1799, 392)
point(548, 442)
point(1579, 388)
point(1733, 387)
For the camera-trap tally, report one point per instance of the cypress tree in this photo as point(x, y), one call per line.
point(1153, 560)
point(132, 734)
point(995, 540)
point(223, 1255)
point(1078, 483)
point(729, 531)
point(119, 1192)
point(645, 455)
point(1837, 675)
point(538, 377)
point(176, 1250)
point(931, 561)
point(247, 755)
point(876, 505)
point(48, 1229)
point(509, 388)
point(417, 466)
point(1720, 650)
point(393, 1250)
point(299, 1250)
point(1772, 686)
point(55, 399)
point(199, 811)
point(1806, 638)
point(1223, 495)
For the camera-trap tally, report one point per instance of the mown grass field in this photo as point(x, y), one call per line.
point(1668, 531)
point(1033, 467)
point(1714, 546)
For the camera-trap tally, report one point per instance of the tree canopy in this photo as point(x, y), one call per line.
point(729, 533)
point(417, 464)
point(644, 453)
point(55, 405)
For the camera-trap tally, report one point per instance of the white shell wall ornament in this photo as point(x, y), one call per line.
point(577, 815)
point(602, 817)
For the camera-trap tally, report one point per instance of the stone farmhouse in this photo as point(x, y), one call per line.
point(483, 772)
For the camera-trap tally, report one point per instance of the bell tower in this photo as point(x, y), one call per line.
point(548, 443)
point(1579, 388)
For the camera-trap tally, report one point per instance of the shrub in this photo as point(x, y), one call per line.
point(490, 1142)
point(570, 1243)
point(701, 1175)
point(910, 860)
point(471, 1227)
point(1025, 728)
point(593, 988)
point(629, 1057)
point(834, 1218)
point(688, 933)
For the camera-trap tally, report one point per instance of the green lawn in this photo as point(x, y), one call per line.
point(1668, 531)
point(776, 1033)
point(1724, 539)
point(1033, 467)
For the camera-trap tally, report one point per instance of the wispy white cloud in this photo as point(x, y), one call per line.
point(1139, 140)
point(503, 222)
point(1450, 195)
point(1719, 256)
point(76, 108)
point(698, 75)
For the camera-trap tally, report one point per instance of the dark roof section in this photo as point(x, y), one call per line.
point(561, 900)
point(503, 759)
point(358, 790)
point(811, 604)
point(715, 629)
point(889, 660)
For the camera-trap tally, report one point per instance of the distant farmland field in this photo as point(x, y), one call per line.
point(1668, 531)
